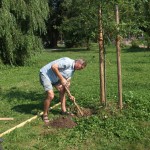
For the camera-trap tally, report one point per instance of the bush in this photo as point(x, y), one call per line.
point(135, 43)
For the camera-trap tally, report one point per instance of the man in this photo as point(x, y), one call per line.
point(58, 73)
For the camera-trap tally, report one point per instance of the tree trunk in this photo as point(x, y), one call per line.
point(53, 38)
point(101, 59)
point(118, 61)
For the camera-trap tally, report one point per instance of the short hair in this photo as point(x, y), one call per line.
point(81, 61)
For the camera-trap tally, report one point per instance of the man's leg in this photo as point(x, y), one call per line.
point(49, 98)
point(62, 96)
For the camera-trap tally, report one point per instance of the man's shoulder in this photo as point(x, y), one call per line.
point(67, 59)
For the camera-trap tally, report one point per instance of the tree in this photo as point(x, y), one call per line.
point(80, 22)
point(77, 20)
point(52, 24)
point(21, 24)
point(144, 20)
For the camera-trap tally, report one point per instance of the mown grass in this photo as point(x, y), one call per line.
point(21, 94)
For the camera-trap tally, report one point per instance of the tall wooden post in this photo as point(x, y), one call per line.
point(118, 60)
point(101, 59)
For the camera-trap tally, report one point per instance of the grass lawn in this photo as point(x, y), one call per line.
point(21, 95)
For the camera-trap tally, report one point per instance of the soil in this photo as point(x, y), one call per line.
point(63, 122)
point(67, 121)
point(86, 112)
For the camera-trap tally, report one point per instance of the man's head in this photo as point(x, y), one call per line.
point(80, 64)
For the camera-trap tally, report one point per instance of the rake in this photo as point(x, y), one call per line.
point(77, 106)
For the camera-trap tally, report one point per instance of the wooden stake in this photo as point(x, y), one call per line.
point(101, 60)
point(23, 123)
point(6, 119)
point(118, 61)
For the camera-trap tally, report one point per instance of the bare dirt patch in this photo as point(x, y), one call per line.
point(63, 122)
point(67, 121)
point(86, 112)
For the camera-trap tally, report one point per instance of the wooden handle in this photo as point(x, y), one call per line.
point(69, 94)
point(5, 119)
point(78, 108)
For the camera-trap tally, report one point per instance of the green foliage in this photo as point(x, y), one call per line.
point(21, 24)
point(135, 43)
point(133, 16)
point(80, 20)
point(79, 23)
point(75, 22)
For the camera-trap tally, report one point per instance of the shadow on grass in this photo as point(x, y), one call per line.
point(33, 108)
point(27, 98)
point(15, 94)
point(67, 50)
point(135, 49)
point(28, 108)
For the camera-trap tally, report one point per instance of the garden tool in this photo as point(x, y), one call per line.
point(77, 106)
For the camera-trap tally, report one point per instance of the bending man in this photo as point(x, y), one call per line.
point(58, 73)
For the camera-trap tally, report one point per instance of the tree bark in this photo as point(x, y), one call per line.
point(118, 61)
point(101, 59)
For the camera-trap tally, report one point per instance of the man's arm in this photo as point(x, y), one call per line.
point(62, 79)
point(56, 71)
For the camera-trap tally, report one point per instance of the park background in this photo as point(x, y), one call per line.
point(35, 33)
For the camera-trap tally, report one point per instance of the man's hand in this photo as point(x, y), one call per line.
point(64, 82)
point(67, 84)
point(72, 98)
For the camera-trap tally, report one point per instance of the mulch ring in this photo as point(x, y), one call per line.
point(67, 121)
